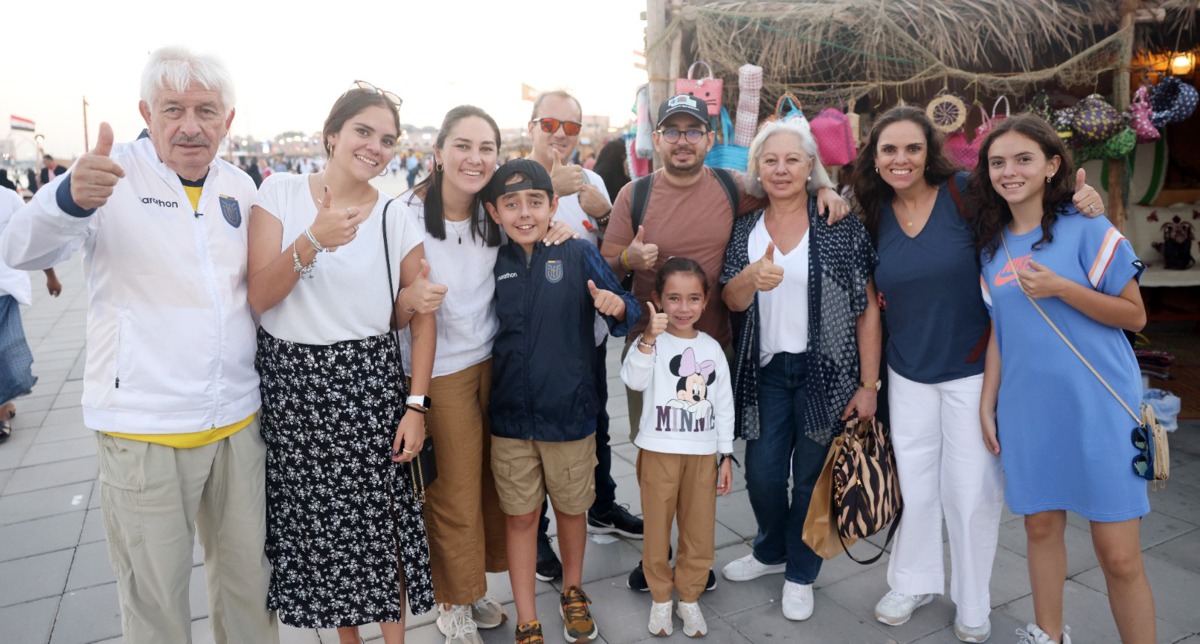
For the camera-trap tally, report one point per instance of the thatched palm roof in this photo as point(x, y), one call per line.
point(850, 48)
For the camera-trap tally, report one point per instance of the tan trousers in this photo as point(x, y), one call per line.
point(681, 487)
point(462, 512)
point(154, 499)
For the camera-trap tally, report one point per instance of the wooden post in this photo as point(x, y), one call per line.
point(1116, 167)
point(658, 54)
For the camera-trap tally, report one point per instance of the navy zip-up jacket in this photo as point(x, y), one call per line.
point(543, 356)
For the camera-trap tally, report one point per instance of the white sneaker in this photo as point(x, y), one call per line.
point(693, 620)
point(974, 634)
point(748, 568)
point(797, 601)
point(895, 608)
point(660, 619)
point(487, 613)
point(1031, 634)
point(457, 625)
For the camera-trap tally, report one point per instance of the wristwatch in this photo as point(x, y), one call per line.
point(873, 386)
point(422, 401)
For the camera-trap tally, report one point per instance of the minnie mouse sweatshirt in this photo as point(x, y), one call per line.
point(687, 400)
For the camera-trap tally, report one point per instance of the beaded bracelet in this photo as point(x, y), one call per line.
point(297, 267)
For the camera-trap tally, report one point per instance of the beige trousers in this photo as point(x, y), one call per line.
point(682, 488)
point(463, 519)
point(154, 499)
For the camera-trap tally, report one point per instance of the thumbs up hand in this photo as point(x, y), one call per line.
point(1086, 199)
point(765, 274)
point(656, 324)
point(566, 179)
point(640, 255)
point(336, 227)
point(606, 302)
point(95, 175)
point(422, 295)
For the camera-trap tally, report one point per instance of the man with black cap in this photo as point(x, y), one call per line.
point(683, 209)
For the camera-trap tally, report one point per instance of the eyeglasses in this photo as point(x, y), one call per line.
point(692, 135)
point(371, 89)
point(550, 126)
point(1141, 462)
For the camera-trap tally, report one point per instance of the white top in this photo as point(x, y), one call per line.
point(687, 394)
point(12, 281)
point(782, 311)
point(466, 322)
point(170, 334)
point(347, 296)
point(571, 213)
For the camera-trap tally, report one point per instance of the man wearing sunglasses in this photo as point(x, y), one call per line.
point(554, 128)
point(169, 385)
point(689, 212)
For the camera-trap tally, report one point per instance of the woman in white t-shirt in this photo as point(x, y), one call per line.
point(342, 511)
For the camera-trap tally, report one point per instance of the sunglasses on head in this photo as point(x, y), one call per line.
point(550, 126)
point(692, 135)
point(371, 89)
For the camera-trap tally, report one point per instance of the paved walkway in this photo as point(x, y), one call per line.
point(56, 584)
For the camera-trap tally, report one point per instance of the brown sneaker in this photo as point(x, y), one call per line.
point(578, 625)
point(530, 633)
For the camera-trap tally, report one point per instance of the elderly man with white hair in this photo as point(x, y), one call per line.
point(169, 385)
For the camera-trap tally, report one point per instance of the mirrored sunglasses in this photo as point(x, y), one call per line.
point(550, 126)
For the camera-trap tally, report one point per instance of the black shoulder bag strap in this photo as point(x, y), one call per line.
point(729, 184)
point(639, 199)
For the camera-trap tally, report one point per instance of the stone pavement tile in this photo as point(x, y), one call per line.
point(39, 454)
point(1179, 500)
point(732, 597)
point(16, 508)
point(287, 634)
point(37, 477)
point(65, 431)
point(604, 561)
point(13, 450)
point(72, 387)
point(91, 567)
point(88, 615)
point(60, 363)
point(33, 403)
point(1080, 554)
point(629, 492)
point(618, 405)
point(627, 451)
point(734, 512)
point(859, 593)
point(843, 567)
point(59, 416)
point(1004, 628)
point(1010, 577)
point(1086, 612)
point(1174, 592)
point(621, 467)
point(93, 527)
point(4, 476)
point(830, 624)
point(30, 622)
point(40, 536)
point(1182, 551)
point(40, 576)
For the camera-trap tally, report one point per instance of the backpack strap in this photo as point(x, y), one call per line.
point(729, 184)
point(640, 197)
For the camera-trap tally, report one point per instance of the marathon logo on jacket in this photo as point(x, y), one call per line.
point(231, 211)
point(554, 271)
point(151, 201)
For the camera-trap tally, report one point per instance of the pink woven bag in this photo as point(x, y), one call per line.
point(1139, 116)
point(835, 138)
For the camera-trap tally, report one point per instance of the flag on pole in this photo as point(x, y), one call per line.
point(21, 123)
point(528, 93)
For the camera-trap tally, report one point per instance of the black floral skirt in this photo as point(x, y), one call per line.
point(341, 516)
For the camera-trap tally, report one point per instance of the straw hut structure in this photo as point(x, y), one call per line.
point(871, 54)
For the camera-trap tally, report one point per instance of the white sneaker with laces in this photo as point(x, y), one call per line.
point(457, 625)
point(693, 620)
point(896, 608)
point(748, 568)
point(974, 634)
point(487, 613)
point(660, 619)
point(1032, 634)
point(797, 601)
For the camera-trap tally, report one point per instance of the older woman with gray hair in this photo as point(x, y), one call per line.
point(807, 334)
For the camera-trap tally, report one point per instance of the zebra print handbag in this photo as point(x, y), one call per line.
point(866, 489)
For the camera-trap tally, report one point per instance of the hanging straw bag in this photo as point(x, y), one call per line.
point(1139, 116)
point(1172, 101)
point(707, 88)
point(858, 492)
point(725, 154)
point(786, 107)
point(961, 151)
point(1154, 463)
point(835, 137)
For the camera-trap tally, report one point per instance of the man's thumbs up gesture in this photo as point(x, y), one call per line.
point(95, 174)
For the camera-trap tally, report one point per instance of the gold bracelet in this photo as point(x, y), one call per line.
point(625, 260)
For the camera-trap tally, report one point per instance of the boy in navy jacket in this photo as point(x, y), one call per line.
point(543, 401)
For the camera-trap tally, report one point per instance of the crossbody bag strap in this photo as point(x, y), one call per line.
point(1079, 355)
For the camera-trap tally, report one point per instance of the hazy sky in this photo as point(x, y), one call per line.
point(289, 64)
